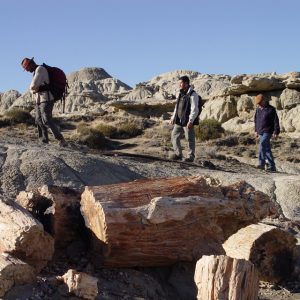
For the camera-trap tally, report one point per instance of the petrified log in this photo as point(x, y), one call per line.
point(13, 272)
point(132, 226)
point(23, 236)
point(272, 250)
point(223, 277)
point(58, 209)
point(80, 284)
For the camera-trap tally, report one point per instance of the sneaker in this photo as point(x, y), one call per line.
point(175, 157)
point(189, 159)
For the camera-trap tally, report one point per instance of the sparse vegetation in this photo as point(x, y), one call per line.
point(129, 130)
point(17, 115)
point(208, 129)
point(90, 137)
point(107, 130)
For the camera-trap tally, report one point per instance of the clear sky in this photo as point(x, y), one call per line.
point(135, 40)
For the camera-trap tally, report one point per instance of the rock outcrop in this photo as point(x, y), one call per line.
point(8, 99)
point(230, 100)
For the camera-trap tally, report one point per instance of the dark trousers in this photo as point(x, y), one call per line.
point(44, 120)
point(265, 152)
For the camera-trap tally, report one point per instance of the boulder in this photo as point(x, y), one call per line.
point(14, 271)
point(287, 195)
point(221, 109)
point(23, 236)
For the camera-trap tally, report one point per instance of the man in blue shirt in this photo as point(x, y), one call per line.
point(266, 124)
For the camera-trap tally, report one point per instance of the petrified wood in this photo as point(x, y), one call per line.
point(223, 277)
point(272, 250)
point(161, 221)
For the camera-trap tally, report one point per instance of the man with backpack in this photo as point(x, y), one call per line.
point(185, 116)
point(44, 101)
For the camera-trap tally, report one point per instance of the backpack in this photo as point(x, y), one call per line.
point(200, 106)
point(58, 84)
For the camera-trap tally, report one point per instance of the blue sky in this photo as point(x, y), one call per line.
point(135, 40)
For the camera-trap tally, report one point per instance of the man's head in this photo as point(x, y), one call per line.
point(184, 83)
point(260, 100)
point(28, 64)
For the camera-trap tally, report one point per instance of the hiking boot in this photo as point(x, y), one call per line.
point(272, 169)
point(174, 156)
point(260, 167)
point(63, 143)
point(189, 159)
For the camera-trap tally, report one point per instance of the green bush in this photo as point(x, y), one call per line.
point(17, 115)
point(208, 129)
point(107, 130)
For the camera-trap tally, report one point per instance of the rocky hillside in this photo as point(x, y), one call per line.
point(230, 100)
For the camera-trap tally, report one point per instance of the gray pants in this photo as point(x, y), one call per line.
point(189, 134)
point(44, 120)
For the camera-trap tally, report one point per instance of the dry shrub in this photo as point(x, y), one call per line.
point(90, 137)
point(107, 130)
point(208, 129)
point(128, 130)
point(18, 115)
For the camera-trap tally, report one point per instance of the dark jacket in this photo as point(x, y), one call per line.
point(266, 120)
point(183, 109)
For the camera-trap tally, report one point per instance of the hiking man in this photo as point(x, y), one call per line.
point(266, 124)
point(184, 117)
point(43, 102)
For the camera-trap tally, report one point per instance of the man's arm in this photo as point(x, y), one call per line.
point(39, 78)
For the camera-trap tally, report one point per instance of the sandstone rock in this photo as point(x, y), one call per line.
point(133, 226)
point(13, 271)
point(239, 124)
point(289, 119)
point(80, 284)
point(220, 109)
point(223, 277)
point(287, 195)
point(245, 105)
point(51, 165)
point(165, 86)
point(291, 80)
point(56, 207)
point(289, 98)
point(7, 99)
point(23, 236)
point(24, 101)
point(243, 84)
point(272, 250)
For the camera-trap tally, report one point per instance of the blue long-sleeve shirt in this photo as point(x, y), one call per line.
point(266, 120)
